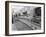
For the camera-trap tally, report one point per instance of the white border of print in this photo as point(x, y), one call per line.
point(30, 31)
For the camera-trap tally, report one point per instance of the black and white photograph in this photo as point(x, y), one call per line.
point(26, 18)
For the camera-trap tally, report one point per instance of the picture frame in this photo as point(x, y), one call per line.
point(15, 10)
